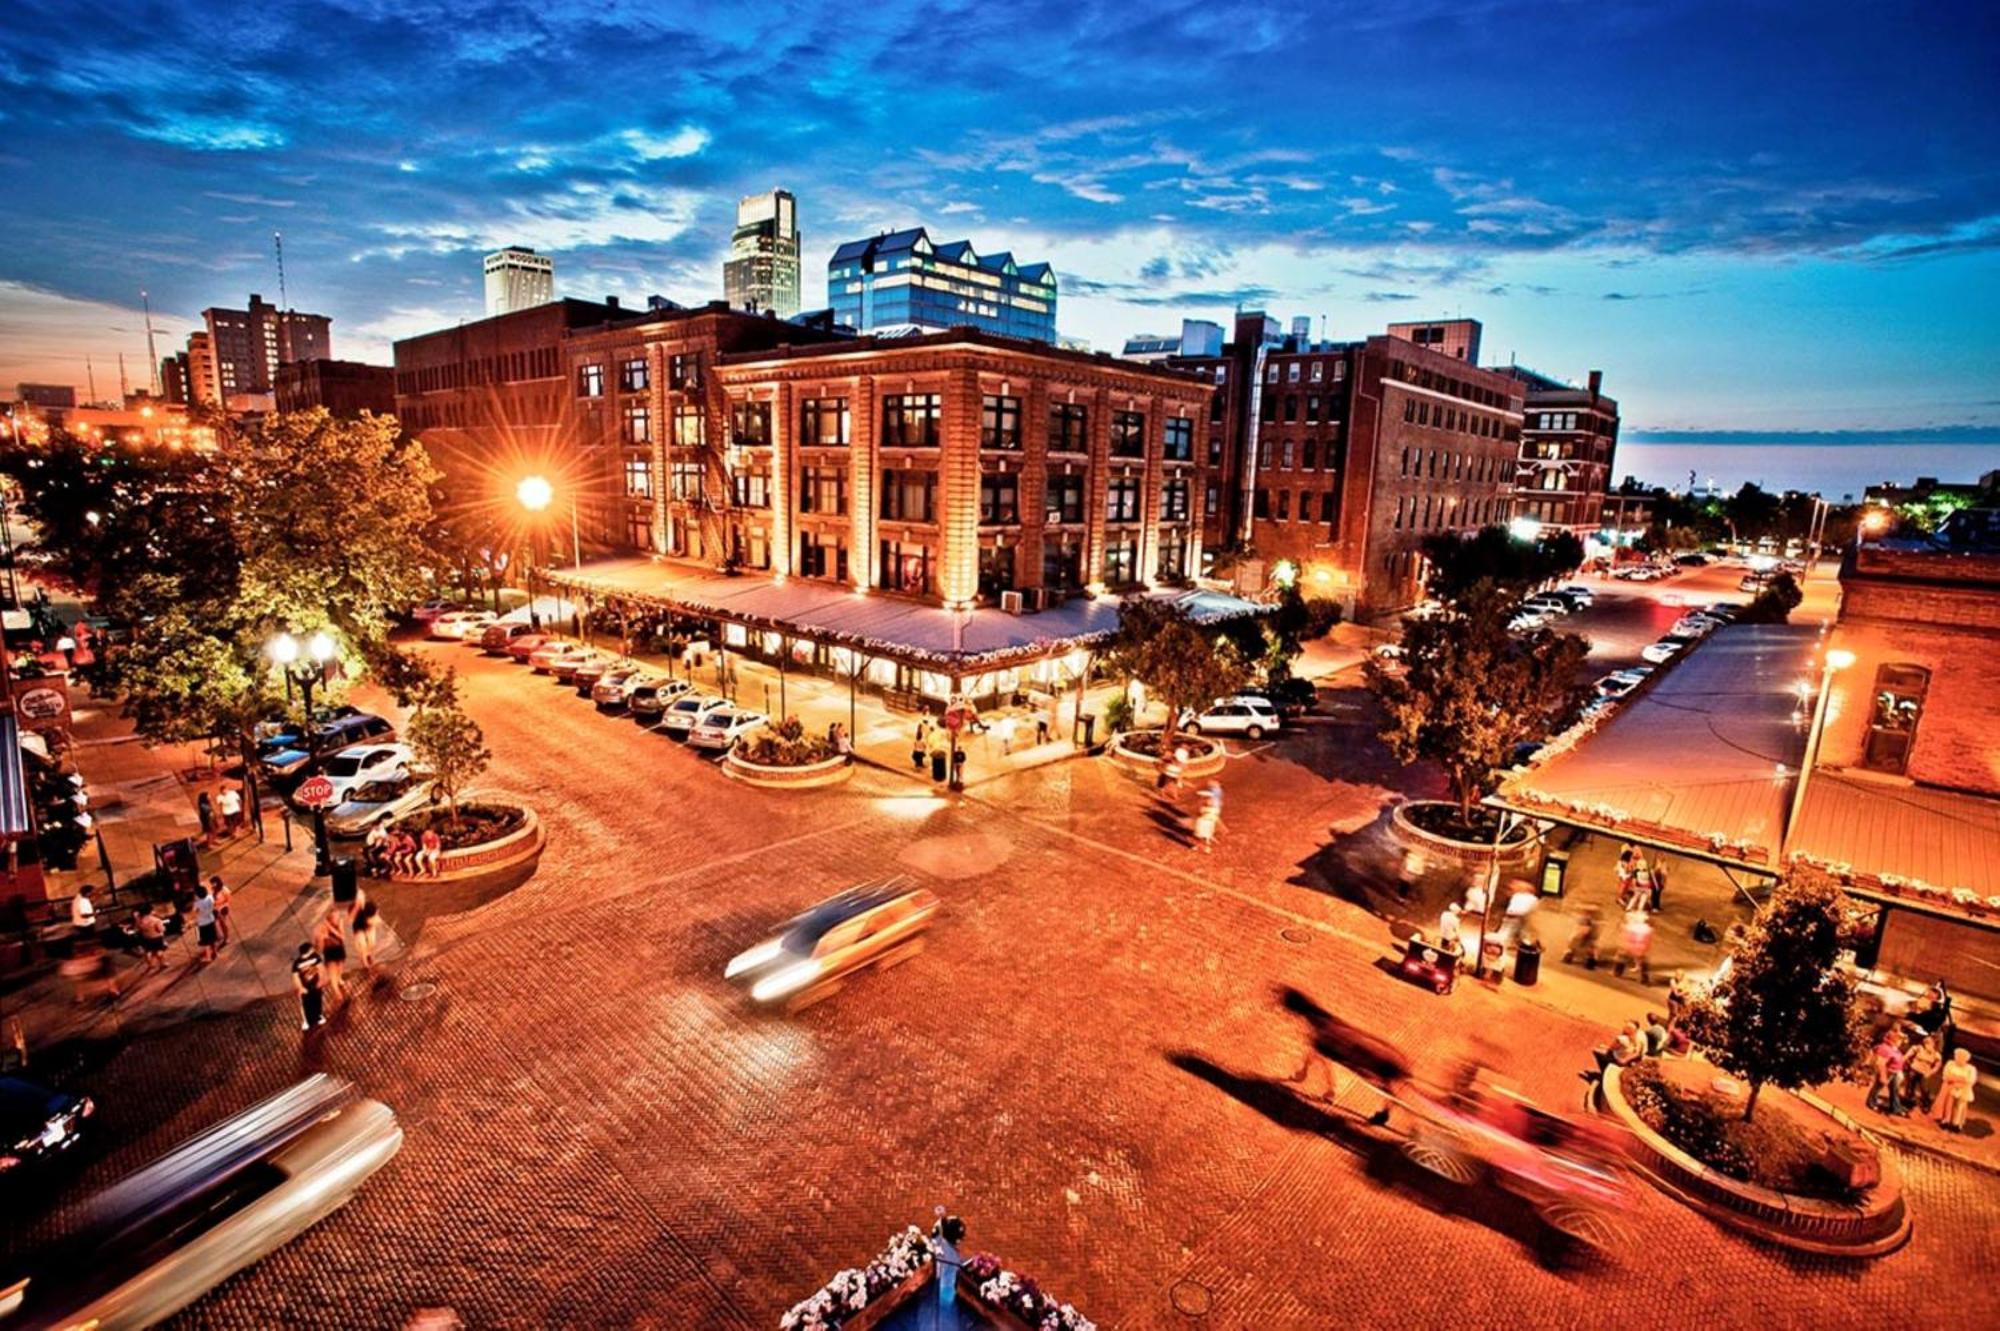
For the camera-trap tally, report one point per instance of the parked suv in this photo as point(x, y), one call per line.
point(1241, 715)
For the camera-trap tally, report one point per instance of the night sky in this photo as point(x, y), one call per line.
point(1751, 216)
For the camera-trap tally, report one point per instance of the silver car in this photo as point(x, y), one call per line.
point(381, 801)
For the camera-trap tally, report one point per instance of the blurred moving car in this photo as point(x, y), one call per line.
point(379, 801)
point(543, 658)
point(458, 625)
point(586, 675)
point(722, 727)
point(1663, 651)
point(876, 924)
point(1240, 715)
point(156, 1241)
point(565, 668)
point(679, 717)
point(649, 700)
point(1527, 621)
point(429, 611)
point(526, 645)
point(1577, 594)
point(287, 733)
point(37, 1123)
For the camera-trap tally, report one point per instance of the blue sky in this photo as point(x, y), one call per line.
point(1751, 216)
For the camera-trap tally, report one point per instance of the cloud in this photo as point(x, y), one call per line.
point(956, 207)
point(649, 147)
point(581, 216)
point(260, 200)
point(46, 337)
point(1387, 297)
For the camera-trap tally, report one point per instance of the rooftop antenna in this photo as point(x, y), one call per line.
point(284, 302)
point(90, 377)
point(124, 386)
point(152, 353)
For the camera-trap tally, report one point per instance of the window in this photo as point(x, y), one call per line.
point(1319, 371)
point(1291, 407)
point(1179, 442)
point(1261, 506)
point(1062, 566)
point(1128, 434)
point(1269, 411)
point(639, 478)
point(1292, 373)
point(1312, 405)
point(906, 567)
point(996, 570)
point(688, 481)
point(753, 489)
point(999, 499)
point(1310, 455)
point(750, 424)
point(1284, 506)
point(1892, 724)
point(1065, 499)
point(1287, 452)
point(684, 372)
point(1271, 373)
point(1173, 559)
point(822, 556)
point(1212, 500)
point(1121, 561)
point(590, 381)
point(638, 425)
point(1327, 503)
point(911, 420)
point(909, 496)
point(1069, 427)
point(688, 428)
point(822, 490)
point(639, 529)
point(633, 376)
point(1409, 408)
point(1215, 408)
point(1339, 370)
point(1215, 448)
point(823, 422)
point(1121, 499)
point(1000, 422)
point(1174, 500)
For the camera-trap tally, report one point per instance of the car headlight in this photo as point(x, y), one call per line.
point(760, 955)
point(789, 980)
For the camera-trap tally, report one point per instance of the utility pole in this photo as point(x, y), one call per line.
point(284, 302)
point(124, 387)
point(152, 352)
point(90, 377)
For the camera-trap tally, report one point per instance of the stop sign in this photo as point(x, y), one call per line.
point(315, 791)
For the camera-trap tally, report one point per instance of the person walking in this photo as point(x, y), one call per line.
point(1004, 727)
point(330, 943)
point(1451, 929)
point(310, 985)
point(1659, 888)
point(204, 809)
point(83, 911)
point(362, 935)
point(920, 748)
point(1885, 1093)
point(1635, 941)
point(1041, 727)
point(220, 891)
point(204, 925)
point(1954, 1095)
point(1920, 1065)
point(88, 969)
point(152, 931)
point(1583, 943)
point(1206, 824)
point(231, 806)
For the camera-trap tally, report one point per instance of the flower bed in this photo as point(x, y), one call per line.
point(1773, 1150)
point(1017, 1296)
point(1140, 751)
point(1434, 826)
point(784, 744)
point(858, 1297)
point(490, 837)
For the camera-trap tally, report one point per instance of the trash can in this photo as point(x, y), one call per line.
point(1527, 961)
point(1089, 722)
point(938, 764)
point(345, 880)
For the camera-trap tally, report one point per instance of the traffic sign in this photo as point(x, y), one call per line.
point(315, 792)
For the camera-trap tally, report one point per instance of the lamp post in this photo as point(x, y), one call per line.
point(536, 494)
point(1838, 658)
point(305, 665)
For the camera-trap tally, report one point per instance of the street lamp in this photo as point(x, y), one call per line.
point(535, 494)
point(1838, 658)
point(305, 665)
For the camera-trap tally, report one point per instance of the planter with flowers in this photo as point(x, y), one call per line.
point(780, 755)
point(863, 1298)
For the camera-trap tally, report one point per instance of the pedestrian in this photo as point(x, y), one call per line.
point(83, 911)
point(1521, 903)
point(375, 851)
point(1206, 824)
point(1655, 1035)
point(1583, 943)
point(843, 743)
point(1635, 941)
point(1659, 887)
point(152, 931)
point(310, 986)
point(331, 944)
point(1919, 1067)
point(1885, 1093)
point(1168, 781)
point(1954, 1095)
point(946, 1235)
point(431, 857)
point(220, 891)
point(88, 969)
point(1450, 928)
point(231, 806)
point(204, 925)
point(1005, 727)
point(362, 934)
point(1042, 727)
point(920, 748)
point(204, 809)
point(832, 734)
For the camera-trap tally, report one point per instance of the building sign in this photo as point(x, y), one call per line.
point(43, 704)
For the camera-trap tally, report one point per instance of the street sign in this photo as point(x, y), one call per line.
point(315, 792)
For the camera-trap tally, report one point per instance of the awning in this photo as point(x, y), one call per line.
point(14, 820)
point(1918, 845)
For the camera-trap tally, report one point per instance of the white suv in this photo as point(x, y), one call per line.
point(1247, 716)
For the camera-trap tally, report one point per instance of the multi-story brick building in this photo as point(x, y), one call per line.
point(343, 387)
point(1568, 438)
point(1339, 458)
point(251, 343)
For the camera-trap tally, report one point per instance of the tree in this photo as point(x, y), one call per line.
point(1773, 605)
point(1494, 555)
point(1783, 1012)
point(1184, 665)
point(447, 742)
point(1468, 690)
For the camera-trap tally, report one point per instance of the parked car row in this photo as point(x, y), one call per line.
point(1688, 630)
point(1538, 610)
point(288, 754)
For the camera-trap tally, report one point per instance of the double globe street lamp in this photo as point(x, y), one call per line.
point(305, 664)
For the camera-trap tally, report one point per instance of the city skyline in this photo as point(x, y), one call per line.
point(1750, 263)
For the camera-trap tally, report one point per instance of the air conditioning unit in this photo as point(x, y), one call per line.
point(1031, 599)
point(1011, 602)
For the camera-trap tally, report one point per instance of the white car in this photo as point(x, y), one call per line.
point(1663, 651)
point(722, 727)
point(364, 763)
point(374, 802)
point(1547, 605)
point(1250, 717)
point(679, 717)
point(549, 655)
point(614, 688)
point(458, 625)
point(1578, 594)
point(1694, 625)
point(431, 609)
point(1527, 621)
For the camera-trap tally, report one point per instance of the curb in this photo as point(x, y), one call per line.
point(1907, 1140)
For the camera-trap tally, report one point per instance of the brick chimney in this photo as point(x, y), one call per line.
point(1596, 385)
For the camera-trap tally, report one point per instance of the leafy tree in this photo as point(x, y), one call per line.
point(1773, 605)
point(1494, 555)
point(447, 741)
point(1182, 664)
point(1468, 690)
point(1783, 1013)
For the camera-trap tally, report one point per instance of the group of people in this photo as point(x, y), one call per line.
point(221, 813)
point(89, 967)
point(347, 932)
point(1634, 943)
point(391, 853)
point(839, 740)
point(1459, 917)
point(1911, 1068)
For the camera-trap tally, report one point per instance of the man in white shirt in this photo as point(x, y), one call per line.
point(83, 914)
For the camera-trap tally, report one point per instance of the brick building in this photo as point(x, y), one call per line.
point(1341, 457)
point(343, 387)
point(1456, 338)
point(1569, 437)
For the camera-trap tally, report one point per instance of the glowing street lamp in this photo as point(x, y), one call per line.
point(304, 664)
point(535, 494)
point(1837, 659)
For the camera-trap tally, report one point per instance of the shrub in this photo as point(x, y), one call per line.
point(784, 744)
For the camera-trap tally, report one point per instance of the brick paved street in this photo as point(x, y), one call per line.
point(1086, 1062)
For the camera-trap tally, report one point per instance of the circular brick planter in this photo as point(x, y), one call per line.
point(1205, 756)
point(1450, 848)
point(1877, 1225)
point(521, 846)
point(826, 772)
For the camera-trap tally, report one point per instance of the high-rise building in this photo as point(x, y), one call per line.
point(174, 377)
point(1456, 338)
point(1568, 437)
point(900, 279)
point(251, 343)
point(517, 278)
point(762, 272)
point(203, 388)
point(60, 396)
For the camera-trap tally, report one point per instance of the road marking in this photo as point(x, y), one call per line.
point(1250, 752)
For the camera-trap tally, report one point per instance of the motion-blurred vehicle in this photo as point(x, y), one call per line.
point(679, 717)
point(150, 1245)
point(1527, 621)
point(1548, 603)
point(286, 732)
point(613, 689)
point(586, 676)
point(497, 637)
point(458, 625)
point(37, 1123)
point(722, 727)
point(1616, 685)
point(544, 658)
point(379, 801)
point(648, 701)
point(1243, 715)
point(564, 669)
point(428, 612)
point(807, 957)
point(1577, 595)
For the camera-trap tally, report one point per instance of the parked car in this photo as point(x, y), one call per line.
point(1726, 611)
point(429, 611)
point(1548, 603)
point(1577, 594)
point(285, 733)
point(1527, 621)
point(361, 728)
point(1695, 624)
point(648, 701)
point(806, 958)
point(722, 727)
point(565, 668)
point(458, 625)
point(1691, 560)
point(544, 657)
point(586, 676)
point(1616, 685)
point(37, 1123)
point(525, 646)
point(614, 688)
point(498, 636)
point(679, 717)
point(149, 1245)
point(1241, 715)
point(362, 763)
point(1663, 651)
point(381, 800)
point(1753, 582)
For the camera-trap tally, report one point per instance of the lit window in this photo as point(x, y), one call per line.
point(1892, 724)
